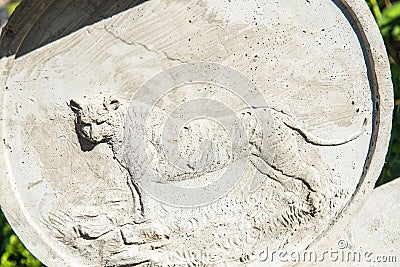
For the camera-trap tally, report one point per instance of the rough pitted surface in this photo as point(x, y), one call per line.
point(73, 168)
point(372, 235)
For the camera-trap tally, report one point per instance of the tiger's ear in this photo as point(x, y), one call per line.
point(75, 105)
point(112, 103)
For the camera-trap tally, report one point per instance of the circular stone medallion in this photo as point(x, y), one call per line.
point(188, 132)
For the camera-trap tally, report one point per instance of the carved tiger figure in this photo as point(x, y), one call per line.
point(101, 120)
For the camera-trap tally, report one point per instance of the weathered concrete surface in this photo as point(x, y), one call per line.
point(71, 169)
point(372, 234)
point(376, 227)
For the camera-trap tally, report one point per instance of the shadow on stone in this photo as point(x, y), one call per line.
point(85, 145)
point(37, 23)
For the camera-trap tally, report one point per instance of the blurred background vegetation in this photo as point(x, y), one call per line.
point(387, 14)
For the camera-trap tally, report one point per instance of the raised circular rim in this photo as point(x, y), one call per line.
point(379, 75)
point(363, 23)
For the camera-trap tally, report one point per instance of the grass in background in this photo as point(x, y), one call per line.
point(12, 251)
point(387, 14)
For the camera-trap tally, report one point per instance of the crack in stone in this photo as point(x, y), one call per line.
point(165, 54)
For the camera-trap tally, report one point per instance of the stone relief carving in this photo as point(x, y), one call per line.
point(306, 189)
point(73, 166)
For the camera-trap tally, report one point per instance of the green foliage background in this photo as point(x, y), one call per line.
point(387, 13)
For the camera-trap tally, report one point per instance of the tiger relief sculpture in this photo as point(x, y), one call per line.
point(101, 119)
